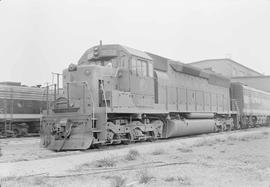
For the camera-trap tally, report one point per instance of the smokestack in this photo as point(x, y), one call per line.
point(100, 43)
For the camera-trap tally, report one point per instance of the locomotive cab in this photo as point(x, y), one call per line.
point(116, 77)
point(126, 77)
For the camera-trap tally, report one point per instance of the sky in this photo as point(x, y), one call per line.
point(38, 37)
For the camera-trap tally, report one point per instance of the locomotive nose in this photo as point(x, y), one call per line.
point(76, 73)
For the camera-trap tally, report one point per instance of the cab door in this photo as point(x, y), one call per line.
point(142, 82)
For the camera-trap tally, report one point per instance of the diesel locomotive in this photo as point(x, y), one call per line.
point(116, 94)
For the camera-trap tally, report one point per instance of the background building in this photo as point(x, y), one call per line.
point(236, 71)
point(258, 82)
point(226, 67)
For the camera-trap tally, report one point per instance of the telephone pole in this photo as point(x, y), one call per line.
point(57, 79)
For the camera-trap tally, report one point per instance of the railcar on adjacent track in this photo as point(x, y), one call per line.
point(20, 109)
point(253, 105)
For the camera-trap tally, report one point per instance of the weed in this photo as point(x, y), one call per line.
point(38, 181)
point(244, 138)
point(180, 179)
point(83, 167)
point(132, 154)
point(105, 162)
point(170, 179)
point(144, 177)
point(220, 140)
point(204, 142)
point(248, 137)
point(222, 151)
point(184, 150)
point(158, 152)
point(21, 182)
point(183, 180)
point(86, 165)
point(232, 138)
point(9, 178)
point(118, 181)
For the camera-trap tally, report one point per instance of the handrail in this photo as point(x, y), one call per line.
point(103, 91)
point(92, 99)
point(47, 99)
point(68, 95)
point(46, 94)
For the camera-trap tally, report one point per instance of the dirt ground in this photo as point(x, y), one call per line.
point(237, 158)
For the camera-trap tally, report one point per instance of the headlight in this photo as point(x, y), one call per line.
point(87, 72)
point(72, 67)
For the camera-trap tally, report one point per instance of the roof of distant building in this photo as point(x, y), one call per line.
point(228, 59)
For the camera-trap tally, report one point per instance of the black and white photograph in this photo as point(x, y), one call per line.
point(135, 93)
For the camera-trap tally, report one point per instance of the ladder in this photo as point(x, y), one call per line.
point(236, 107)
point(6, 108)
point(11, 110)
point(3, 110)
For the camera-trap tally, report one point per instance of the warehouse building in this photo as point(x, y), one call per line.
point(236, 71)
point(226, 67)
point(258, 82)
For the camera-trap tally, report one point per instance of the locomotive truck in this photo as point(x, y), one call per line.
point(117, 94)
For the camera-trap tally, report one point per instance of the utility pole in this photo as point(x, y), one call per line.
point(57, 79)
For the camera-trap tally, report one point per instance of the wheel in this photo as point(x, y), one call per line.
point(154, 135)
point(15, 133)
point(129, 140)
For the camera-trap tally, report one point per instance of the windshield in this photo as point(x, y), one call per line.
point(108, 63)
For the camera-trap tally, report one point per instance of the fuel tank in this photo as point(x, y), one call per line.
point(199, 116)
point(176, 128)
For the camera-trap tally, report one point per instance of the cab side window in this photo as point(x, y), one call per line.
point(150, 69)
point(114, 63)
point(133, 65)
point(123, 62)
point(144, 69)
point(139, 67)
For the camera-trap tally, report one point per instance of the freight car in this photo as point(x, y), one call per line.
point(20, 109)
point(253, 105)
point(116, 94)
